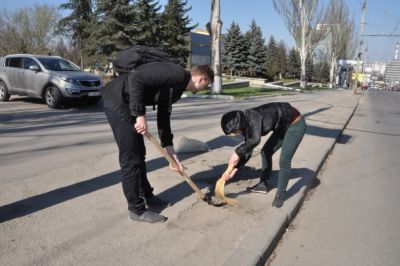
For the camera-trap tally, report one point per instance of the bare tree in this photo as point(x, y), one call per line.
point(28, 30)
point(340, 34)
point(215, 31)
point(301, 18)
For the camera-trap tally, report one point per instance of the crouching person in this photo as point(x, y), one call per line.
point(125, 99)
point(288, 128)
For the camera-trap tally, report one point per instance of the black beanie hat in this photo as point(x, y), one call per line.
point(232, 121)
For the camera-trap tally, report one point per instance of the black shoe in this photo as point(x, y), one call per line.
point(279, 199)
point(148, 217)
point(259, 188)
point(156, 202)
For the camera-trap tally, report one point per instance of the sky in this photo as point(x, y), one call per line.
point(382, 17)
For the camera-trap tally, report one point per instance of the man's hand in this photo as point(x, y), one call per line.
point(231, 174)
point(171, 151)
point(234, 160)
point(141, 124)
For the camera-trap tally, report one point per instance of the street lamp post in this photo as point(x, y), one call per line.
point(360, 45)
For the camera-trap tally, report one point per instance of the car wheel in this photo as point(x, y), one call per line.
point(4, 95)
point(53, 97)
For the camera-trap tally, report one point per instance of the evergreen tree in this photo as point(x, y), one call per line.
point(256, 57)
point(282, 59)
point(325, 72)
point(317, 71)
point(148, 22)
point(176, 30)
point(294, 63)
point(321, 72)
point(272, 65)
point(116, 26)
point(78, 23)
point(234, 51)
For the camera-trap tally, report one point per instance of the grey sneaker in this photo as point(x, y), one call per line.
point(147, 217)
point(156, 202)
point(259, 188)
point(279, 199)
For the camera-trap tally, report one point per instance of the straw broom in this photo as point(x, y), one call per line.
point(219, 188)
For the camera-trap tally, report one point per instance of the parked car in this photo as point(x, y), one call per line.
point(51, 78)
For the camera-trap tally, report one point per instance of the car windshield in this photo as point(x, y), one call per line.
point(57, 64)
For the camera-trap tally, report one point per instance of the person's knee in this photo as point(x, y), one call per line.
point(133, 168)
point(285, 163)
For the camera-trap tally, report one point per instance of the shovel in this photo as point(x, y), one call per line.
point(173, 163)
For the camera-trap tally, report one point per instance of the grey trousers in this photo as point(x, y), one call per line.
point(288, 141)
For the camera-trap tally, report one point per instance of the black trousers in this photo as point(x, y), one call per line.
point(132, 153)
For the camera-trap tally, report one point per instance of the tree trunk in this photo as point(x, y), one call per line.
point(81, 51)
point(303, 48)
point(216, 25)
point(332, 70)
point(303, 57)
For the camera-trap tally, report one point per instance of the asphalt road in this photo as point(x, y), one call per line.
point(61, 202)
point(43, 149)
point(353, 218)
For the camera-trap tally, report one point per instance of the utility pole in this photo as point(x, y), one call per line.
point(360, 44)
point(215, 32)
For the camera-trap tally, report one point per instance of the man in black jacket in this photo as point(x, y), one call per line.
point(288, 128)
point(125, 100)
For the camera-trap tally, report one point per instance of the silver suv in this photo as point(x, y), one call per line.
point(52, 78)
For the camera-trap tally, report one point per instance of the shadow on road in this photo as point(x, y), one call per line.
point(178, 192)
point(39, 202)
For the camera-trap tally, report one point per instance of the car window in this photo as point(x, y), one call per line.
point(14, 62)
point(58, 64)
point(29, 62)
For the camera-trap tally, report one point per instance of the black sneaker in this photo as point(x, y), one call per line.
point(147, 217)
point(279, 199)
point(156, 202)
point(259, 188)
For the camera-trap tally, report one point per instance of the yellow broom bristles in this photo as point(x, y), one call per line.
point(219, 188)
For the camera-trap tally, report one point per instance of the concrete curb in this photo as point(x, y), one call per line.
point(213, 96)
point(258, 245)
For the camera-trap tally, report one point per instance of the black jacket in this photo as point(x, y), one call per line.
point(156, 83)
point(257, 122)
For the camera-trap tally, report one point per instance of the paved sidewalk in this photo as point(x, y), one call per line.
point(69, 233)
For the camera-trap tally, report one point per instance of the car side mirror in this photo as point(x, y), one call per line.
point(34, 68)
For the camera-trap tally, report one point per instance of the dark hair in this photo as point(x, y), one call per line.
point(203, 70)
point(232, 121)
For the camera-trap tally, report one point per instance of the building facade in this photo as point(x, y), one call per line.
point(392, 73)
point(200, 47)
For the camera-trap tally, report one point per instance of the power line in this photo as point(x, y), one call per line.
point(381, 35)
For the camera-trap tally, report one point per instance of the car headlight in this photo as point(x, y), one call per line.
point(69, 80)
point(73, 91)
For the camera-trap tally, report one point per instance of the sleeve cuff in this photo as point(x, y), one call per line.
point(138, 109)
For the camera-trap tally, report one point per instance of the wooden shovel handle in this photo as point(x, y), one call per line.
point(174, 164)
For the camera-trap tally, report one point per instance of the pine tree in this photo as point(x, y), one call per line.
point(116, 26)
point(282, 59)
point(294, 63)
point(325, 72)
point(317, 71)
point(175, 30)
point(256, 58)
point(78, 23)
point(272, 67)
point(147, 30)
point(234, 51)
